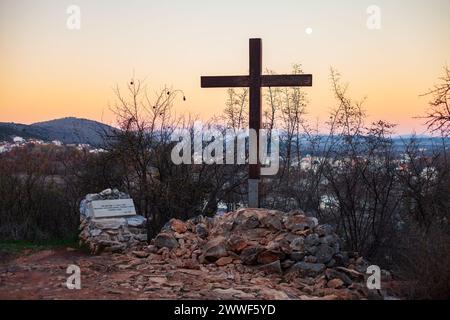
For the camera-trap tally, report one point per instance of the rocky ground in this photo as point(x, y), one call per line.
point(42, 275)
point(248, 254)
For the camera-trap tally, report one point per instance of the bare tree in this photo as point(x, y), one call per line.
point(438, 114)
point(286, 108)
point(360, 175)
point(235, 113)
point(143, 146)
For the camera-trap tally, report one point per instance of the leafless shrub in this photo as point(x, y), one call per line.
point(33, 204)
point(438, 114)
point(142, 148)
point(422, 263)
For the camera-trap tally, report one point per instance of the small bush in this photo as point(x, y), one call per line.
point(34, 204)
point(423, 263)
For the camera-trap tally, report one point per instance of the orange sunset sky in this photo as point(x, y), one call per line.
point(48, 71)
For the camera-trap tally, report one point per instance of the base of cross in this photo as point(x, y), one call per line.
point(253, 193)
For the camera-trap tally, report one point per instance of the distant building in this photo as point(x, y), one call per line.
point(97, 150)
point(57, 143)
point(429, 173)
point(328, 202)
point(35, 141)
point(18, 140)
point(83, 146)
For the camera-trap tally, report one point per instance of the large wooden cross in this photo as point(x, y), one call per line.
point(255, 81)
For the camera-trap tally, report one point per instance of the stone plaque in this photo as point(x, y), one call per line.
point(112, 208)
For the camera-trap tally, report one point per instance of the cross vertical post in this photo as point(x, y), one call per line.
point(255, 119)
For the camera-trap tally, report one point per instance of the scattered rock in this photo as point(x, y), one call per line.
point(141, 254)
point(166, 240)
point(248, 223)
point(272, 294)
point(297, 256)
point(312, 240)
point(136, 221)
point(273, 267)
point(324, 230)
point(224, 261)
point(335, 284)
point(353, 274)
point(334, 274)
point(214, 250)
point(286, 264)
point(178, 226)
point(201, 230)
point(152, 248)
point(341, 259)
point(272, 221)
point(310, 259)
point(298, 244)
point(324, 253)
point(269, 256)
point(231, 293)
point(249, 255)
point(310, 269)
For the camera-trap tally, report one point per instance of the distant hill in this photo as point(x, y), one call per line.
point(66, 130)
point(76, 130)
point(9, 130)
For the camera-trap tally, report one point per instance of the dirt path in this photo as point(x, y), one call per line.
point(42, 275)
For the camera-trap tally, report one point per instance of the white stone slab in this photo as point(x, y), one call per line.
point(112, 208)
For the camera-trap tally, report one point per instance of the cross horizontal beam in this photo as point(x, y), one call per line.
point(282, 80)
point(225, 82)
point(286, 80)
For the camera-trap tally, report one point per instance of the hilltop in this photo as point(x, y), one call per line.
point(67, 130)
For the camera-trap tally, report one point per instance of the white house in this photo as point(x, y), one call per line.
point(18, 140)
point(57, 143)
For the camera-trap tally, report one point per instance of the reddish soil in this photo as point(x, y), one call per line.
point(42, 275)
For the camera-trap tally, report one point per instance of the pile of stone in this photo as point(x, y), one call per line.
point(111, 234)
point(291, 245)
